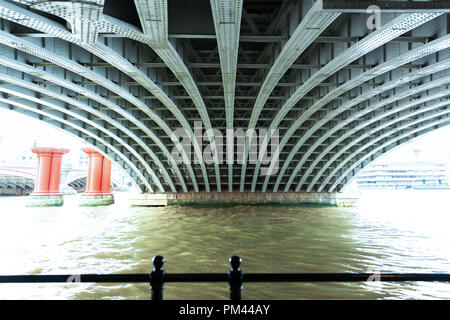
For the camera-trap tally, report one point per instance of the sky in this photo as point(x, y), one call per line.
point(433, 146)
point(19, 132)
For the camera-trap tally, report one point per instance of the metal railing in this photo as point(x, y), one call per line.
point(235, 278)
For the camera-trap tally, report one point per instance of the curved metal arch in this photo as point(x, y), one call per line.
point(346, 106)
point(228, 45)
point(10, 184)
point(339, 126)
point(119, 27)
point(25, 181)
point(312, 25)
point(63, 110)
point(84, 176)
point(80, 129)
point(18, 15)
point(417, 53)
point(105, 118)
point(366, 124)
point(95, 97)
point(389, 142)
point(386, 33)
point(75, 185)
point(367, 134)
point(70, 65)
point(396, 144)
point(159, 42)
point(352, 103)
point(99, 127)
point(161, 47)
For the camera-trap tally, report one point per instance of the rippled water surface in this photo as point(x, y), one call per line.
point(389, 231)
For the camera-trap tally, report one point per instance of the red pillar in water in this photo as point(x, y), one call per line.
point(46, 189)
point(98, 191)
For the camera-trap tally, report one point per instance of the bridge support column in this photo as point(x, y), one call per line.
point(46, 190)
point(98, 181)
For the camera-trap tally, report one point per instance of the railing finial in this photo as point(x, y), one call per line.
point(235, 262)
point(157, 277)
point(235, 277)
point(158, 262)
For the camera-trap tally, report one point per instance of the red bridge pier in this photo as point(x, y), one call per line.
point(98, 181)
point(46, 189)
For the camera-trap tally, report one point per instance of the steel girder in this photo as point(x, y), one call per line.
point(417, 53)
point(154, 19)
point(70, 85)
point(366, 123)
point(371, 93)
point(312, 25)
point(98, 143)
point(361, 137)
point(227, 21)
point(56, 105)
point(127, 117)
point(376, 39)
point(13, 181)
point(29, 19)
point(442, 118)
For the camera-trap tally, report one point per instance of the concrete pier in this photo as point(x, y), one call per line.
point(46, 191)
point(244, 198)
point(98, 181)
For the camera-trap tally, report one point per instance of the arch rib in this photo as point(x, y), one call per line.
point(367, 95)
point(155, 27)
point(8, 102)
point(102, 116)
point(68, 64)
point(227, 33)
point(22, 67)
point(312, 25)
point(386, 33)
point(389, 142)
point(19, 15)
point(81, 118)
point(382, 115)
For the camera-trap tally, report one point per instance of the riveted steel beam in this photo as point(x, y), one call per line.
point(437, 119)
point(371, 42)
point(402, 6)
point(365, 124)
point(6, 103)
point(312, 25)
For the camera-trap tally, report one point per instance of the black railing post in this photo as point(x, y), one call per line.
point(157, 278)
point(235, 277)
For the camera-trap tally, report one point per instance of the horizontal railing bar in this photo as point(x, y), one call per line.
point(343, 277)
point(99, 278)
point(222, 277)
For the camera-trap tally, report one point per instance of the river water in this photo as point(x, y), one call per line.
point(388, 231)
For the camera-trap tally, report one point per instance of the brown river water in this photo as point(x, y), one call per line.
point(388, 231)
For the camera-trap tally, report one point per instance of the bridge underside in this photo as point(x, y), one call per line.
point(15, 185)
point(337, 86)
point(79, 185)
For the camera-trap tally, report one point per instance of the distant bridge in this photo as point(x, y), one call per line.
point(342, 85)
point(19, 180)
